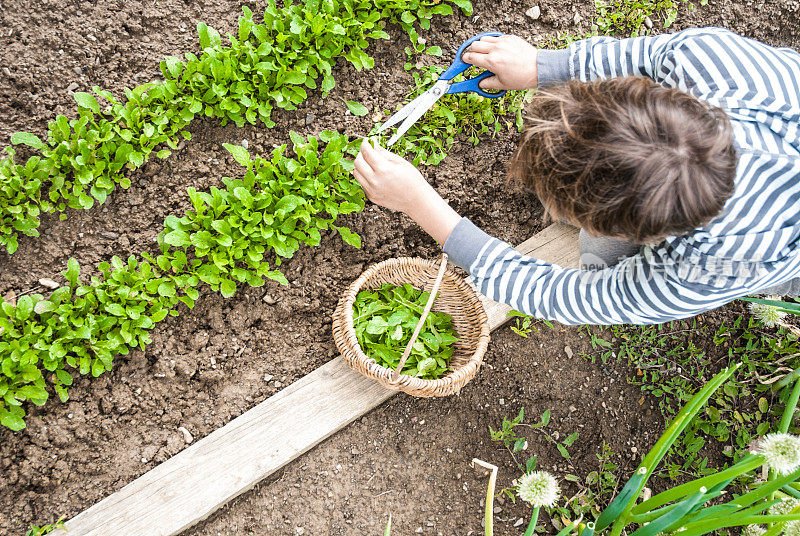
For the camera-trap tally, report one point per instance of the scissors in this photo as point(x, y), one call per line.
point(415, 109)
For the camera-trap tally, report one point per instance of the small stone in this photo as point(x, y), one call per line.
point(418, 530)
point(634, 450)
point(497, 510)
point(111, 235)
point(77, 70)
point(577, 19)
point(7, 71)
point(568, 351)
point(48, 283)
point(72, 87)
point(245, 144)
point(300, 530)
point(648, 23)
point(269, 300)
point(377, 116)
point(267, 377)
point(519, 522)
point(310, 118)
point(187, 436)
point(535, 12)
point(502, 401)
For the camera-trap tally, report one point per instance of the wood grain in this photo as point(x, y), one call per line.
point(196, 482)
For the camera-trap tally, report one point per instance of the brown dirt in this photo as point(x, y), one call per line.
point(409, 457)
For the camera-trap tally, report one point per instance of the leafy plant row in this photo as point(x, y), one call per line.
point(230, 236)
point(233, 235)
point(268, 64)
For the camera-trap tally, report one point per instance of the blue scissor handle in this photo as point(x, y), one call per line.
point(459, 66)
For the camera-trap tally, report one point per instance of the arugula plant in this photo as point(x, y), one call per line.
point(80, 328)
point(268, 64)
point(224, 240)
point(384, 320)
point(279, 204)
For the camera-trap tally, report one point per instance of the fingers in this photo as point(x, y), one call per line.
point(372, 156)
point(490, 82)
point(480, 46)
point(477, 59)
point(362, 167)
point(386, 153)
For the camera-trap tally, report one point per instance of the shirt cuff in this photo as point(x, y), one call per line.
point(552, 66)
point(465, 243)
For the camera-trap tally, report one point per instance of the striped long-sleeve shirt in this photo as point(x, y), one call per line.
point(753, 244)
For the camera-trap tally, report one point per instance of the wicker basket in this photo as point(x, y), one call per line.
point(455, 298)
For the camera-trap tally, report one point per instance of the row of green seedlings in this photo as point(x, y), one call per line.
point(223, 241)
point(279, 204)
point(232, 235)
point(268, 64)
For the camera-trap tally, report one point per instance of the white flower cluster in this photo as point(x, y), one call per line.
point(768, 315)
point(753, 530)
point(539, 488)
point(792, 528)
point(782, 452)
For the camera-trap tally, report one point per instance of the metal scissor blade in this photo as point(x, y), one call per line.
point(400, 114)
point(425, 101)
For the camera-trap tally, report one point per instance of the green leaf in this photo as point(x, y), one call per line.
point(349, 236)
point(275, 275)
point(209, 37)
point(227, 288)
point(239, 153)
point(87, 100)
point(24, 308)
point(465, 5)
point(116, 309)
point(10, 420)
point(376, 325)
point(356, 108)
point(26, 138)
point(177, 238)
point(43, 306)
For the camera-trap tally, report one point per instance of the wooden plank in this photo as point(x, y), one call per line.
point(231, 460)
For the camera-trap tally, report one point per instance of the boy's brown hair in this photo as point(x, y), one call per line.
point(626, 158)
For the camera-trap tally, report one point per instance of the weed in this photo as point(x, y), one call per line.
point(46, 529)
point(627, 17)
point(668, 364)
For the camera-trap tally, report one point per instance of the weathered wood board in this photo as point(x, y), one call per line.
point(197, 481)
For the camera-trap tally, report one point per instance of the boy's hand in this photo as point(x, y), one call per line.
point(392, 182)
point(510, 58)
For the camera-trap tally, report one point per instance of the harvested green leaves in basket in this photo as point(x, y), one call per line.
point(384, 320)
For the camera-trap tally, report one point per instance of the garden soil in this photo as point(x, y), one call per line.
point(410, 457)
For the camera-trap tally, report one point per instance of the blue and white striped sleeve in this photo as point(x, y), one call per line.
point(634, 291)
point(607, 57)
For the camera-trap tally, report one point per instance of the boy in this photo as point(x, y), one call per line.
point(677, 155)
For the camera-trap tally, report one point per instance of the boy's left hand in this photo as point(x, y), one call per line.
point(388, 180)
point(392, 182)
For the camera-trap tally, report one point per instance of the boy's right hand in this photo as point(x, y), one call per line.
point(510, 58)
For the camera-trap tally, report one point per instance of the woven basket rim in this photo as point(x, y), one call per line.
point(347, 342)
